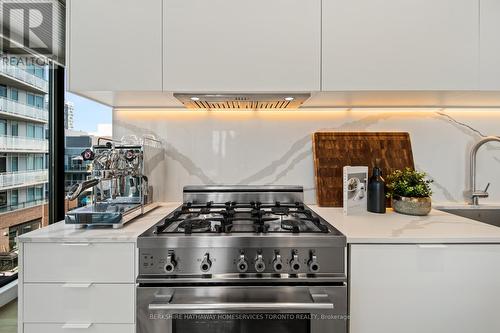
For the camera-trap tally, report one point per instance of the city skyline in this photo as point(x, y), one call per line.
point(100, 122)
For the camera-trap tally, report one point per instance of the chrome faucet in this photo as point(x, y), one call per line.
point(474, 193)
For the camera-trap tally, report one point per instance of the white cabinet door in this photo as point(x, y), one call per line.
point(426, 288)
point(490, 45)
point(115, 45)
point(400, 45)
point(241, 45)
point(79, 262)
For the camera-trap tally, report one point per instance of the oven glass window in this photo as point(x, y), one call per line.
point(242, 323)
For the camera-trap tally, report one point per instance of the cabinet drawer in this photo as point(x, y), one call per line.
point(79, 303)
point(79, 262)
point(79, 328)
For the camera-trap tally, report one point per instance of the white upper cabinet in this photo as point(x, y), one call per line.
point(401, 44)
point(242, 45)
point(115, 45)
point(490, 45)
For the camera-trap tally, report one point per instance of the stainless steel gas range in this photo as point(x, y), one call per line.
point(242, 259)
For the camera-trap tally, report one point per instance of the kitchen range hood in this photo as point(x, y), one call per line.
point(251, 101)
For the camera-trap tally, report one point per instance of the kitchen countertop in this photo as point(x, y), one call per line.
point(389, 228)
point(61, 232)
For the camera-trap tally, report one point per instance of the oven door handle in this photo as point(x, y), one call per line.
point(241, 306)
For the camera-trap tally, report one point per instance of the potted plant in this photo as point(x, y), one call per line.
point(410, 192)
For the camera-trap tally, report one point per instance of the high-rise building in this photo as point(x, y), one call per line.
point(23, 150)
point(69, 109)
point(76, 169)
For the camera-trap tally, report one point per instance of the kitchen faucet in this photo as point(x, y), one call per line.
point(474, 193)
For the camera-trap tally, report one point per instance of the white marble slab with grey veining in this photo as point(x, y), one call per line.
point(393, 228)
point(253, 148)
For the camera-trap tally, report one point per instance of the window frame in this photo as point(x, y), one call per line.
point(3, 89)
point(16, 191)
point(14, 124)
point(16, 91)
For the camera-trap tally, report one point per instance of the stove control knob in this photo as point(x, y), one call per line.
point(206, 263)
point(295, 263)
point(277, 263)
point(313, 263)
point(171, 263)
point(260, 265)
point(242, 264)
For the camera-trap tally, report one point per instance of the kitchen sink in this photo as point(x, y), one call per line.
point(486, 214)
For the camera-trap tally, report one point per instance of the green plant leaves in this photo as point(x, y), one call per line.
point(408, 183)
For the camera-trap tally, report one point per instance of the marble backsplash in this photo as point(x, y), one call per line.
point(274, 147)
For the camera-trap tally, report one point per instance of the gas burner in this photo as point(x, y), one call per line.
point(294, 225)
point(280, 210)
point(194, 225)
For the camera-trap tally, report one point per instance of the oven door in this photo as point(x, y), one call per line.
point(240, 309)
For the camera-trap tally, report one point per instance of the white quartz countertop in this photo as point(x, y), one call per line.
point(61, 232)
point(437, 227)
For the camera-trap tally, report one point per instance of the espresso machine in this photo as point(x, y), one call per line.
point(117, 183)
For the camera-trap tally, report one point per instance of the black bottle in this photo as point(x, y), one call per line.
point(376, 192)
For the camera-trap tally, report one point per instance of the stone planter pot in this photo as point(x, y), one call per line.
point(412, 206)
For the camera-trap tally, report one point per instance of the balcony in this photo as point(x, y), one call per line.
point(16, 109)
point(77, 168)
point(19, 74)
point(22, 144)
point(23, 205)
point(23, 178)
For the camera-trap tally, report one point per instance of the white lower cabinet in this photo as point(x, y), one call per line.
point(77, 287)
point(415, 288)
point(79, 303)
point(79, 328)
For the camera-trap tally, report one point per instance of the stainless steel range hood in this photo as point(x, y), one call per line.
point(242, 101)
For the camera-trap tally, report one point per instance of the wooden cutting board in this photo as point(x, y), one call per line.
point(334, 150)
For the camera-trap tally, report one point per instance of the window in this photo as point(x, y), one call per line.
point(38, 193)
point(3, 163)
point(14, 94)
point(20, 229)
point(3, 127)
point(35, 101)
point(30, 69)
point(30, 165)
point(32, 89)
point(14, 197)
point(39, 71)
point(39, 102)
point(14, 164)
point(14, 129)
point(38, 162)
point(36, 70)
point(30, 131)
point(30, 194)
point(30, 99)
point(39, 132)
point(3, 199)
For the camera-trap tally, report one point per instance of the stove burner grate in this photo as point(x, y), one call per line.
point(233, 217)
point(194, 225)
